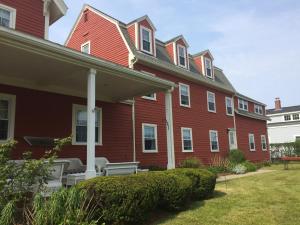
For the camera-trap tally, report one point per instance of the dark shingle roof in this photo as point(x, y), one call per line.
point(239, 95)
point(288, 109)
point(251, 115)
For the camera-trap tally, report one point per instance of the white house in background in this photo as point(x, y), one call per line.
point(284, 123)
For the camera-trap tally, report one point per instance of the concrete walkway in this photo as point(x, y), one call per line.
point(235, 176)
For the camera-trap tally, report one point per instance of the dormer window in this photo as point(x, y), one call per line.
point(208, 67)
point(146, 40)
point(7, 16)
point(258, 109)
point(181, 56)
point(243, 105)
point(86, 47)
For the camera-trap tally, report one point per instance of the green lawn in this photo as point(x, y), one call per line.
point(265, 199)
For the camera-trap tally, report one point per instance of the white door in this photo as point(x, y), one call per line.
point(232, 139)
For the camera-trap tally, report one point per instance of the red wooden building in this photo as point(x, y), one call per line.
point(92, 87)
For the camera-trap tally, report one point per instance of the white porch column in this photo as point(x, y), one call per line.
point(169, 126)
point(91, 101)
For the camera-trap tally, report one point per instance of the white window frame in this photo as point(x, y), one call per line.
point(235, 139)
point(143, 138)
point(245, 103)
point(150, 98)
point(13, 14)
point(232, 106)
point(77, 107)
point(211, 67)
point(265, 140)
point(84, 44)
point(151, 39)
point(185, 56)
point(11, 115)
point(211, 93)
point(249, 139)
point(189, 95)
point(210, 140)
point(182, 140)
point(257, 108)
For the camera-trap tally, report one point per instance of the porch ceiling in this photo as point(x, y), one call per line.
point(42, 65)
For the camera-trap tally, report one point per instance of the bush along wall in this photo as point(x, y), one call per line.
point(130, 199)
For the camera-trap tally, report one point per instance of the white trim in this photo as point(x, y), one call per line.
point(84, 44)
point(143, 138)
point(232, 105)
point(210, 136)
point(136, 30)
point(182, 140)
point(209, 110)
point(170, 129)
point(265, 140)
point(211, 67)
point(174, 53)
point(189, 95)
point(251, 135)
point(244, 102)
point(185, 56)
point(13, 13)
point(150, 98)
point(11, 115)
point(235, 139)
point(150, 37)
point(75, 108)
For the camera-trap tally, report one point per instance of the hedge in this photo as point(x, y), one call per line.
point(130, 199)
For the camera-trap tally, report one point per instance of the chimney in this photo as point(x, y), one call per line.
point(277, 104)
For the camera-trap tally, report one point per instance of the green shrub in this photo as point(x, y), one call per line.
point(203, 182)
point(191, 162)
point(130, 199)
point(236, 156)
point(250, 167)
point(174, 190)
point(239, 169)
point(126, 199)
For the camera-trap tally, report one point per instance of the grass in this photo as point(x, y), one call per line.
point(265, 199)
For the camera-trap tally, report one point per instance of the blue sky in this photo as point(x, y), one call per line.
point(255, 42)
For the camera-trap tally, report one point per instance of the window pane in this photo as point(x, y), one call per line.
point(4, 18)
point(187, 144)
point(81, 134)
point(295, 116)
point(208, 72)
point(146, 46)
point(149, 138)
point(214, 141)
point(287, 117)
point(86, 48)
point(186, 134)
point(181, 52)
point(3, 129)
point(211, 106)
point(184, 100)
point(182, 60)
point(184, 92)
point(146, 35)
point(3, 109)
point(81, 126)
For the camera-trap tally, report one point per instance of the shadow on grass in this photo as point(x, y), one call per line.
point(159, 216)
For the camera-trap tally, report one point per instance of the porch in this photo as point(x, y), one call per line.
point(40, 79)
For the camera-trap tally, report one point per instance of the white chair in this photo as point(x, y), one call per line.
point(104, 167)
point(55, 181)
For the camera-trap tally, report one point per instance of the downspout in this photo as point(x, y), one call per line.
point(133, 130)
point(234, 122)
point(132, 61)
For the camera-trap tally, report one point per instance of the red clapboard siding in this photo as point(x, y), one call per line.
point(197, 117)
point(170, 50)
point(105, 38)
point(44, 114)
point(29, 16)
point(246, 125)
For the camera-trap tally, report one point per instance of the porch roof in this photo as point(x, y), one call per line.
point(35, 63)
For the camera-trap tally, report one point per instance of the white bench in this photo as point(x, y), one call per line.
point(104, 167)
